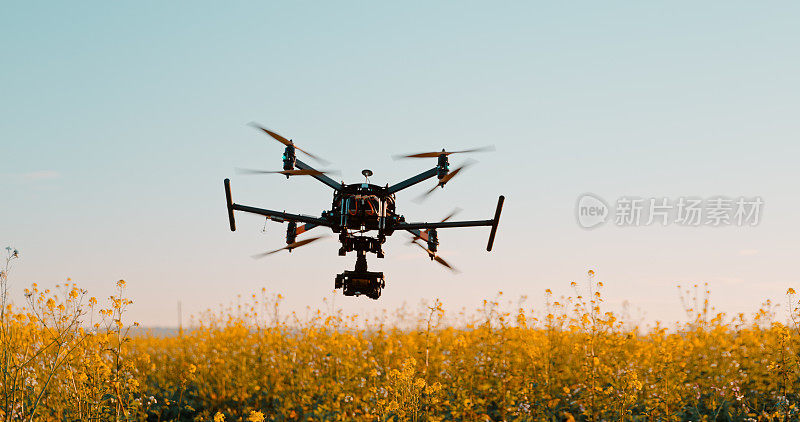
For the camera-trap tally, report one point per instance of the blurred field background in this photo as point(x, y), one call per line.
point(120, 120)
point(68, 356)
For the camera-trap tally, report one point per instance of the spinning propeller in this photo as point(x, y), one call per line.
point(435, 257)
point(304, 228)
point(288, 142)
point(444, 180)
point(295, 172)
point(290, 246)
point(447, 153)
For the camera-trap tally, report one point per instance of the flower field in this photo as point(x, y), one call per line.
point(68, 357)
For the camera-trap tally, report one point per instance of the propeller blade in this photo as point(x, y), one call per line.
point(419, 155)
point(274, 135)
point(425, 194)
point(436, 257)
point(430, 254)
point(288, 142)
point(290, 246)
point(316, 157)
point(487, 148)
point(418, 234)
point(438, 153)
point(304, 228)
point(453, 173)
point(452, 214)
point(439, 259)
point(443, 181)
point(295, 172)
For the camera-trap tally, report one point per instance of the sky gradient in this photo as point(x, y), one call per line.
point(120, 121)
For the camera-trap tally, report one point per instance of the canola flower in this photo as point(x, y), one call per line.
point(66, 357)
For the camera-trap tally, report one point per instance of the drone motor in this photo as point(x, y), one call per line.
point(288, 158)
point(433, 240)
point(291, 232)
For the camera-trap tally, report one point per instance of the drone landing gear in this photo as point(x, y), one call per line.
point(360, 281)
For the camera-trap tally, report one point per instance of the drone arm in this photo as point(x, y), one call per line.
point(281, 215)
point(451, 224)
point(321, 177)
point(443, 225)
point(277, 215)
point(414, 180)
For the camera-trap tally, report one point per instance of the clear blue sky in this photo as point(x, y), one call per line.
point(119, 121)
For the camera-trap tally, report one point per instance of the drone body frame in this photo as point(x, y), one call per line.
point(358, 209)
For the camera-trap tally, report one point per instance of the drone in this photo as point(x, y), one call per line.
point(362, 214)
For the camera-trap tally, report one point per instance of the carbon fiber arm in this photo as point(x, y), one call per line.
point(413, 180)
point(321, 177)
point(453, 224)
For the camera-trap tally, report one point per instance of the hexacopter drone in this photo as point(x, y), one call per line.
point(360, 208)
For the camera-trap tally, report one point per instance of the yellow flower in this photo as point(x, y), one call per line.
point(255, 417)
point(121, 284)
point(219, 417)
point(790, 291)
point(433, 388)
